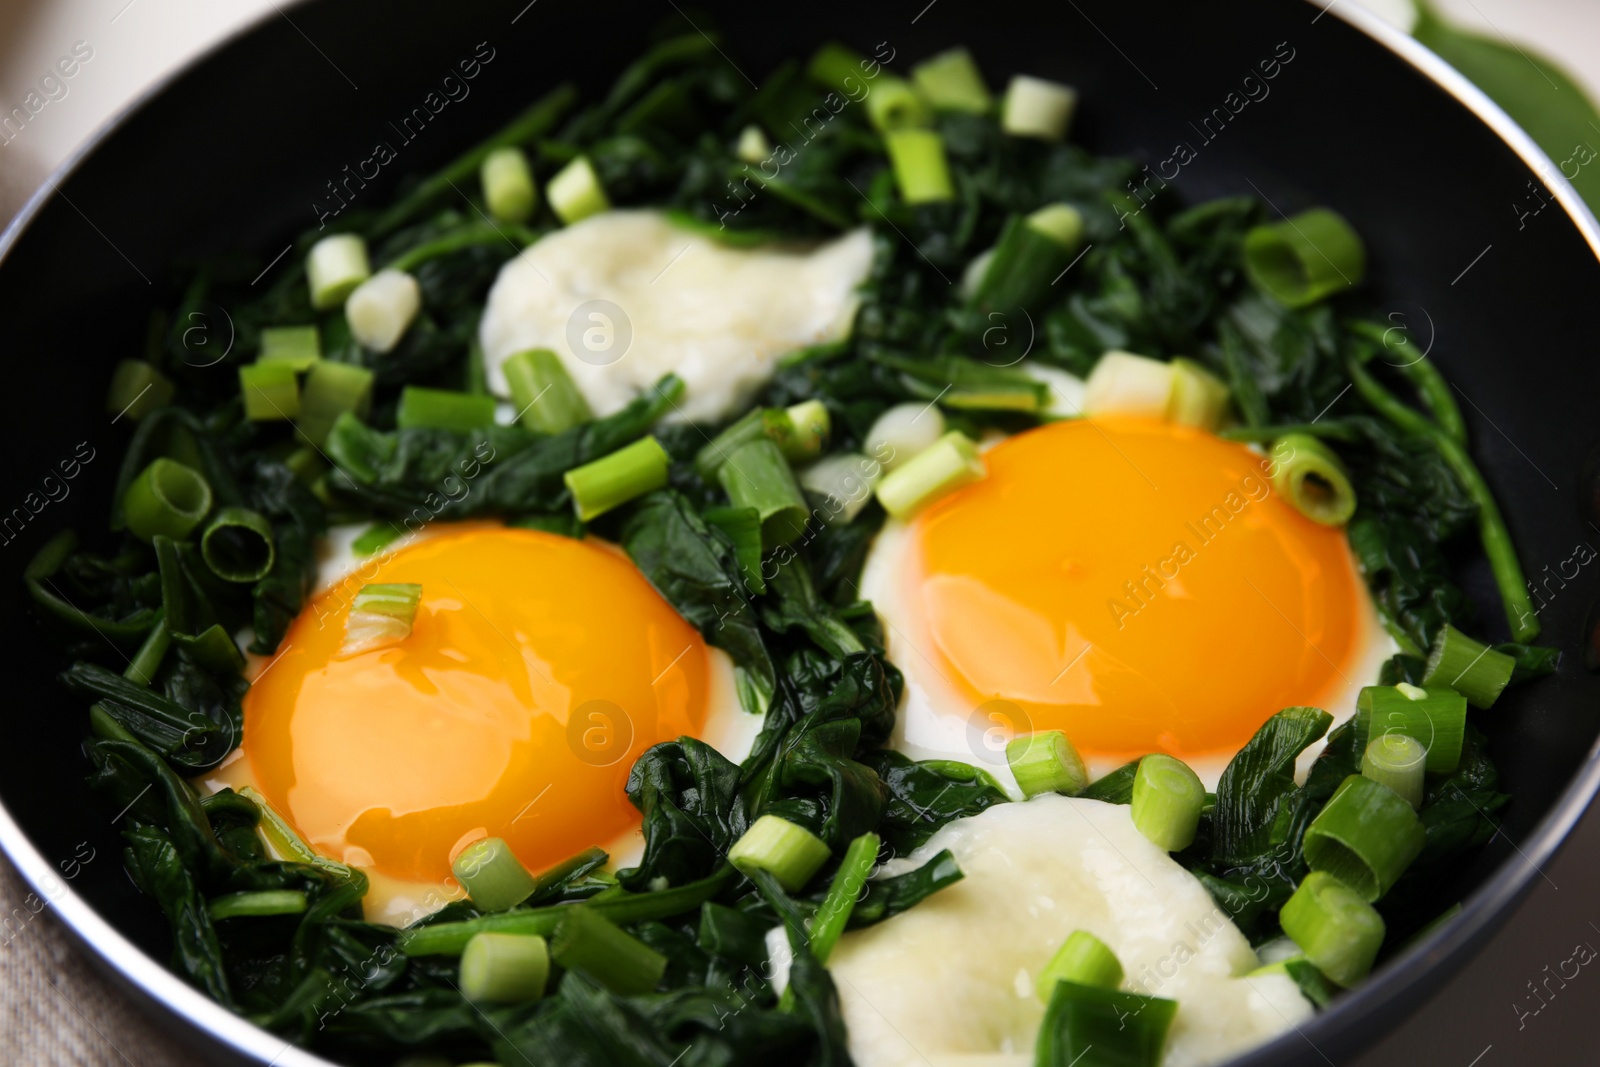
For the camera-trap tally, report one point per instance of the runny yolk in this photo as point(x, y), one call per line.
point(1137, 585)
point(538, 669)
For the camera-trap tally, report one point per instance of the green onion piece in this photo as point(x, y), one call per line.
point(1366, 836)
point(844, 481)
point(575, 192)
point(492, 875)
point(238, 546)
point(1037, 108)
point(1339, 932)
point(504, 969)
point(756, 475)
point(146, 662)
point(261, 902)
point(843, 892)
point(1306, 258)
point(1398, 762)
point(1027, 258)
point(282, 840)
point(920, 167)
point(809, 426)
point(753, 145)
point(442, 409)
point(1089, 1026)
point(787, 851)
point(546, 397)
point(381, 616)
point(332, 389)
point(800, 432)
point(1082, 958)
point(166, 499)
point(213, 648)
point(299, 346)
point(508, 184)
point(1122, 383)
point(270, 391)
point(613, 480)
point(895, 104)
point(1311, 477)
point(1198, 398)
point(382, 308)
point(1046, 762)
point(903, 431)
point(1167, 798)
point(951, 81)
point(376, 538)
point(335, 267)
point(950, 463)
point(1472, 669)
point(137, 389)
point(1437, 718)
point(598, 949)
point(837, 67)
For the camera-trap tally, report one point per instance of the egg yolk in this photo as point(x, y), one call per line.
point(1137, 585)
point(538, 669)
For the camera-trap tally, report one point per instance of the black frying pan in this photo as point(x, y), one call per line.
point(236, 154)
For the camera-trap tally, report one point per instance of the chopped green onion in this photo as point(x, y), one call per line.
point(1339, 932)
point(1167, 798)
point(613, 480)
point(576, 193)
point(137, 389)
point(442, 409)
point(1366, 836)
point(1472, 669)
point(281, 839)
point(167, 499)
point(756, 475)
point(843, 892)
point(492, 875)
point(950, 463)
point(894, 104)
point(1062, 223)
point(270, 391)
point(299, 346)
point(381, 616)
point(1437, 718)
point(800, 432)
point(1398, 762)
point(598, 949)
point(212, 648)
point(920, 167)
point(1312, 478)
point(237, 545)
point(845, 481)
point(1198, 398)
point(508, 184)
point(787, 851)
point(1304, 259)
point(261, 902)
point(504, 968)
point(332, 389)
point(1028, 257)
point(546, 397)
point(1037, 108)
point(837, 67)
point(1090, 1026)
point(753, 145)
point(146, 662)
point(1122, 383)
point(381, 309)
point(376, 538)
point(1082, 958)
point(951, 81)
point(335, 267)
point(1046, 762)
point(903, 431)
point(810, 425)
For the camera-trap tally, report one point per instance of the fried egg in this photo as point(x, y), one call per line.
point(624, 297)
point(1136, 584)
point(538, 669)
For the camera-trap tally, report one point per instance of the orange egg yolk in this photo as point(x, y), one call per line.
point(537, 670)
point(1138, 585)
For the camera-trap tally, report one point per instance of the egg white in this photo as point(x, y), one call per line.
point(625, 297)
point(728, 728)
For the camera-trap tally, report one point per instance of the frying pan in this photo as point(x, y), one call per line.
point(236, 152)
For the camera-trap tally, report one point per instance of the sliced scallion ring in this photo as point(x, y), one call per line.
point(238, 546)
point(166, 499)
point(381, 616)
point(1311, 477)
point(1301, 260)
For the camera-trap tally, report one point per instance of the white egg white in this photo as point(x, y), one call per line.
point(625, 297)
